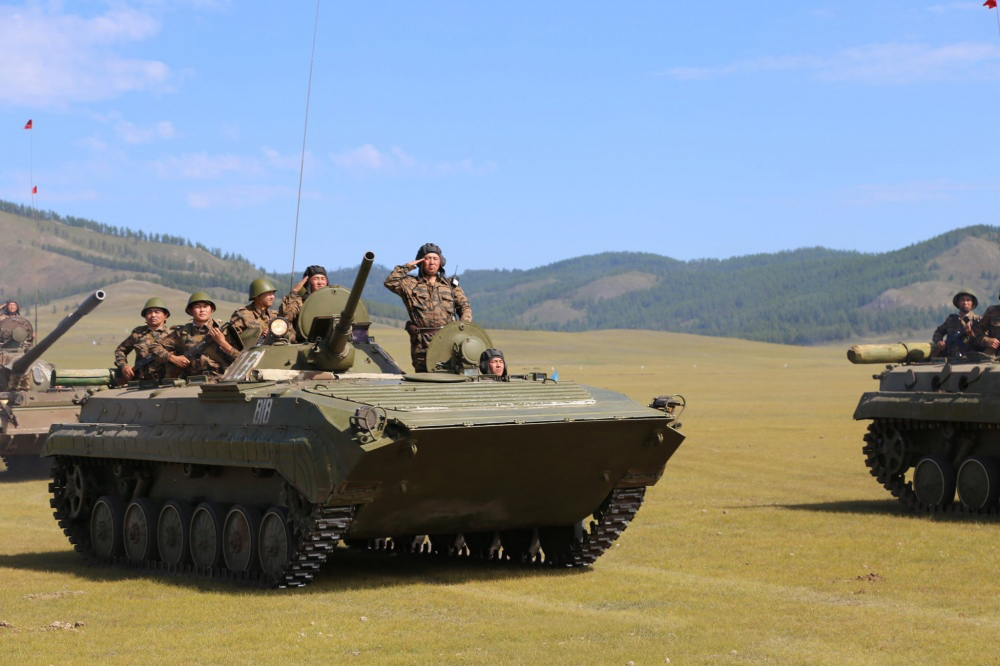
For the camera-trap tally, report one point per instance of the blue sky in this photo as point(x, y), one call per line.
point(512, 134)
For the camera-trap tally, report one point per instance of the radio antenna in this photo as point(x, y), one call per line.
point(302, 163)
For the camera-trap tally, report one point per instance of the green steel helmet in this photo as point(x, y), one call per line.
point(975, 301)
point(199, 296)
point(260, 286)
point(155, 302)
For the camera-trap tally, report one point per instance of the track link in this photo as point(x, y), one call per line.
point(897, 484)
point(316, 538)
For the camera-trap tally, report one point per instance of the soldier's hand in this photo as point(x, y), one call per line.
point(940, 344)
point(180, 361)
point(128, 372)
point(415, 262)
point(300, 284)
point(992, 343)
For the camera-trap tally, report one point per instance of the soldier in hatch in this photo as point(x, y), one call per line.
point(186, 349)
point(313, 278)
point(254, 319)
point(431, 299)
point(492, 362)
point(13, 326)
point(955, 336)
point(141, 340)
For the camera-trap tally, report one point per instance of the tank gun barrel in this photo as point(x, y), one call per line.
point(899, 352)
point(21, 365)
point(342, 331)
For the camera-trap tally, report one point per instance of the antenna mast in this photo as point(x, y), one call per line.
point(302, 164)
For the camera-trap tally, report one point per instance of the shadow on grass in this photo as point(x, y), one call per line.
point(346, 569)
point(891, 507)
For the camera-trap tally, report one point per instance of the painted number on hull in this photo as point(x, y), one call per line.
point(262, 413)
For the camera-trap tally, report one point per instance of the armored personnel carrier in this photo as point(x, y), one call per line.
point(33, 395)
point(935, 427)
point(301, 448)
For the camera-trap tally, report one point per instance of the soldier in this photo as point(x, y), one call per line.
point(186, 348)
point(491, 362)
point(431, 299)
point(11, 314)
point(141, 339)
point(313, 278)
point(955, 335)
point(253, 320)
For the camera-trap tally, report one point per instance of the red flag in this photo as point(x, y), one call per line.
point(990, 4)
point(28, 124)
point(34, 190)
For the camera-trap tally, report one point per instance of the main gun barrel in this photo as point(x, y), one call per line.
point(21, 365)
point(342, 332)
point(892, 353)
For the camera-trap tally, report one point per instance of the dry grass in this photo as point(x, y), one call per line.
point(765, 542)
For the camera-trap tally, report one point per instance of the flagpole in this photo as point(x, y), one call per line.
point(34, 213)
point(302, 164)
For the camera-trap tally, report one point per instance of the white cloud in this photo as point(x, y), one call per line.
point(890, 63)
point(237, 196)
point(51, 58)
point(202, 166)
point(369, 159)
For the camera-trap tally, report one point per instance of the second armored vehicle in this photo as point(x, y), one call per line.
point(935, 427)
point(302, 447)
point(33, 396)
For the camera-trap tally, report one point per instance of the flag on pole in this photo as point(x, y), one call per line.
point(34, 190)
point(990, 4)
point(28, 124)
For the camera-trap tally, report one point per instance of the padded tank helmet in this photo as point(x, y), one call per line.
point(486, 357)
point(260, 286)
point(155, 302)
point(199, 297)
point(975, 301)
point(429, 248)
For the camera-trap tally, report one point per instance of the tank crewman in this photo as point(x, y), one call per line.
point(955, 335)
point(313, 278)
point(180, 346)
point(256, 316)
point(12, 311)
point(431, 299)
point(141, 340)
point(492, 362)
point(986, 330)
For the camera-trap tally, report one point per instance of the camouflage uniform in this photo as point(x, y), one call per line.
point(8, 323)
point(952, 331)
point(431, 306)
point(141, 340)
point(212, 361)
point(249, 318)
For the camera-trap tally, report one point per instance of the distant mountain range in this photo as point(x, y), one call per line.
point(805, 296)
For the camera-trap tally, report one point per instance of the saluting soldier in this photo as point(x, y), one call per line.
point(11, 314)
point(313, 278)
point(175, 346)
point(431, 299)
point(141, 340)
point(256, 316)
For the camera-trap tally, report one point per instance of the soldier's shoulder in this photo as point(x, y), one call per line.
point(140, 330)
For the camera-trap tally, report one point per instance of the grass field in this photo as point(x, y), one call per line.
point(765, 542)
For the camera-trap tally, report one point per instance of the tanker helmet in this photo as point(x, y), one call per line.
point(155, 302)
point(428, 248)
point(315, 269)
point(484, 361)
point(199, 297)
point(260, 286)
point(975, 301)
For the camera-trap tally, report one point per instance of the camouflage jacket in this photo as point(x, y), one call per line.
point(431, 305)
point(182, 339)
point(8, 324)
point(247, 318)
point(141, 341)
point(987, 326)
point(952, 332)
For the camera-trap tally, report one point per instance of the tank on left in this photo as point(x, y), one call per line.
point(33, 396)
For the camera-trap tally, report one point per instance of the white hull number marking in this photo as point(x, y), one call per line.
point(262, 413)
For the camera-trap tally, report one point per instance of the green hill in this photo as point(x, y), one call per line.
point(804, 296)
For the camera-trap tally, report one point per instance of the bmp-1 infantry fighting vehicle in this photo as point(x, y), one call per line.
point(33, 395)
point(302, 447)
point(935, 427)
